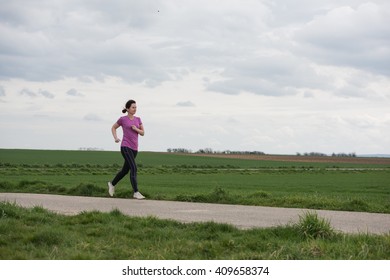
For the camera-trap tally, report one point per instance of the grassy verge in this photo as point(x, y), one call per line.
point(38, 234)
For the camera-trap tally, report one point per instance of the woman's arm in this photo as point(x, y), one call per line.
point(140, 130)
point(113, 131)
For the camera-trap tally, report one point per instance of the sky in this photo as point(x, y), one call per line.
point(276, 76)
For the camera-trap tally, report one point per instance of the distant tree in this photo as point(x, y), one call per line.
point(314, 154)
point(205, 151)
point(179, 150)
point(344, 155)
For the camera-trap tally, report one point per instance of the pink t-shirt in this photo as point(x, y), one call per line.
point(130, 136)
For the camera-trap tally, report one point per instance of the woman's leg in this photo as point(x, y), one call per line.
point(130, 156)
point(124, 171)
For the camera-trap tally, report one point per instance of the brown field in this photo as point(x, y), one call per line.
point(293, 158)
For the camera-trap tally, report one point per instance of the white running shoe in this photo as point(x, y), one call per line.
point(111, 189)
point(138, 195)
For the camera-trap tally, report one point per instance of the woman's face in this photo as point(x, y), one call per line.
point(133, 109)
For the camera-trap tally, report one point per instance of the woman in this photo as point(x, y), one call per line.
point(131, 126)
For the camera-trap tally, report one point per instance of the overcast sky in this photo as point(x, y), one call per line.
point(270, 75)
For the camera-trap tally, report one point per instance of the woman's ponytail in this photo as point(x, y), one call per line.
point(127, 106)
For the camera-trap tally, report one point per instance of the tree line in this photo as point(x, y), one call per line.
point(229, 152)
point(315, 154)
point(211, 151)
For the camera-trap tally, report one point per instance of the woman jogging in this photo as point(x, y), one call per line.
point(131, 126)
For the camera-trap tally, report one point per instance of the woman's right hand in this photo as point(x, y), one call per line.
point(117, 140)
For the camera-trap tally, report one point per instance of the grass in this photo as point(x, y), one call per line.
point(38, 234)
point(153, 159)
point(332, 186)
point(310, 226)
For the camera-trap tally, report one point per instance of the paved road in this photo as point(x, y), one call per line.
point(238, 215)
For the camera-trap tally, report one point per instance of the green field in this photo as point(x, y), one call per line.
point(38, 234)
point(314, 185)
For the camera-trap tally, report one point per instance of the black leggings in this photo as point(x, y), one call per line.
point(129, 155)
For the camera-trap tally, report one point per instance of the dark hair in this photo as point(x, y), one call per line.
point(128, 105)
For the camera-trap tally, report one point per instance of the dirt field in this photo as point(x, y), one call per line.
point(358, 160)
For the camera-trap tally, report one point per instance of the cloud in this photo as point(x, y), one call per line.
point(46, 94)
point(73, 92)
point(277, 74)
point(40, 92)
point(131, 40)
point(293, 58)
point(2, 91)
point(263, 47)
point(28, 92)
point(185, 104)
point(87, 39)
point(346, 36)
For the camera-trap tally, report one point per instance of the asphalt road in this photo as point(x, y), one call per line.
point(244, 217)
